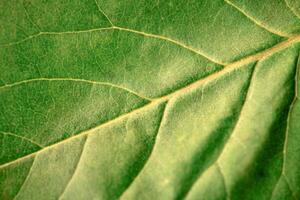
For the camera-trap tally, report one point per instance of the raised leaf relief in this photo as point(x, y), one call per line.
point(149, 99)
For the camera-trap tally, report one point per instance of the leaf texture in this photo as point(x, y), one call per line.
point(149, 99)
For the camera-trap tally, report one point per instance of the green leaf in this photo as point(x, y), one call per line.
point(149, 99)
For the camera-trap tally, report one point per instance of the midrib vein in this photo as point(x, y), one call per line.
point(227, 69)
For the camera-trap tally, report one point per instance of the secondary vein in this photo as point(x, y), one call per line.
point(287, 131)
point(152, 150)
point(232, 132)
point(76, 167)
point(261, 25)
point(29, 172)
point(74, 80)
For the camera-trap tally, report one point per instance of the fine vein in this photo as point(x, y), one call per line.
point(291, 8)
point(223, 180)
point(55, 33)
point(22, 137)
point(29, 18)
point(103, 13)
point(289, 187)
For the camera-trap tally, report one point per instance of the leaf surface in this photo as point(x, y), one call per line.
point(149, 99)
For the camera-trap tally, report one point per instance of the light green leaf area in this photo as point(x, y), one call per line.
point(137, 99)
